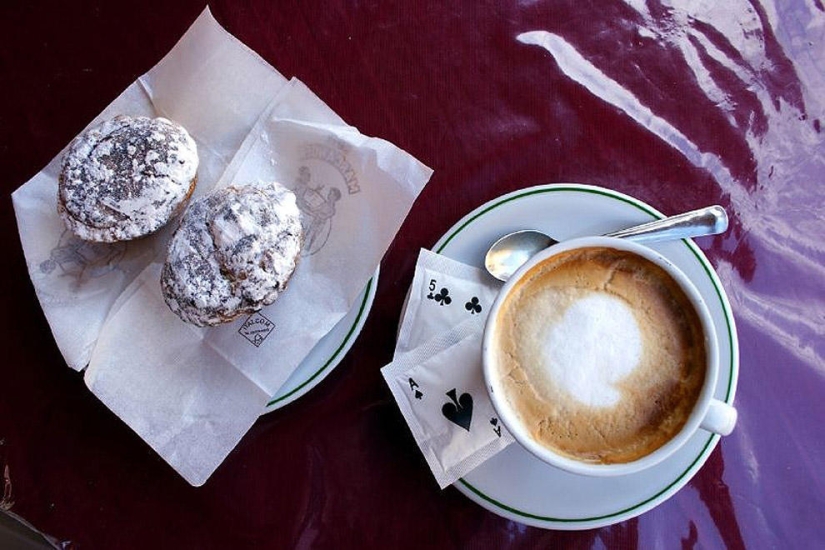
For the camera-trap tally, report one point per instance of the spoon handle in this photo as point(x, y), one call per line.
point(710, 220)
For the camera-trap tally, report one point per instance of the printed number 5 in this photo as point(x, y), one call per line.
point(432, 285)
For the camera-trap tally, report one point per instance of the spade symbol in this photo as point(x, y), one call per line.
point(460, 411)
point(414, 388)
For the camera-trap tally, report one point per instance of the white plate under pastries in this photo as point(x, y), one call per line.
point(328, 352)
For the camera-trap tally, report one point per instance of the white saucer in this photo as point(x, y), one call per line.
point(516, 485)
point(328, 352)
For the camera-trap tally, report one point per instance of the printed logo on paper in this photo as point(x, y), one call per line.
point(325, 172)
point(256, 328)
point(79, 259)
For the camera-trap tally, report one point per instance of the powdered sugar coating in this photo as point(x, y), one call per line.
point(233, 253)
point(126, 177)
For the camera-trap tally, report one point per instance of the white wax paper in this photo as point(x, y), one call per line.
point(190, 392)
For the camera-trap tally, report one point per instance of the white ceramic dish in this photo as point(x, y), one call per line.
point(328, 352)
point(516, 485)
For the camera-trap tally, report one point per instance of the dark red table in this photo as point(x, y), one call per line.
point(677, 104)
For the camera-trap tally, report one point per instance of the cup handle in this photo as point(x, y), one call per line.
point(720, 418)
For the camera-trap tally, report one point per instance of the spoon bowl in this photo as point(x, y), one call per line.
point(511, 251)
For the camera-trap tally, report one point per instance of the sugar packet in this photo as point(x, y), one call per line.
point(439, 387)
point(443, 293)
point(436, 376)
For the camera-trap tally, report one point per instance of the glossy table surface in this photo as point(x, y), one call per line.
point(680, 104)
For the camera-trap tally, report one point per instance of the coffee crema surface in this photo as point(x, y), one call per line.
point(601, 354)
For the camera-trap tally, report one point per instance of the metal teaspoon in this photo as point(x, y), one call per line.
point(511, 251)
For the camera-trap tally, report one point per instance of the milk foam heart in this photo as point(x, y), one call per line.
point(596, 343)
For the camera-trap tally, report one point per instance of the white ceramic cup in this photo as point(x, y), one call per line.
point(708, 413)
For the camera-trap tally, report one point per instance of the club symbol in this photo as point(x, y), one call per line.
point(443, 298)
point(460, 411)
point(473, 306)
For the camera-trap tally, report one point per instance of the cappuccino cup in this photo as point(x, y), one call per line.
point(601, 358)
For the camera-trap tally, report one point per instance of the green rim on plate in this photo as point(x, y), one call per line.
point(362, 309)
point(712, 439)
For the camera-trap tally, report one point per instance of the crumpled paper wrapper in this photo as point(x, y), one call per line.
point(190, 392)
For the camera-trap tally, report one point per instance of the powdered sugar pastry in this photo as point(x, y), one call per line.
point(233, 253)
point(126, 178)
